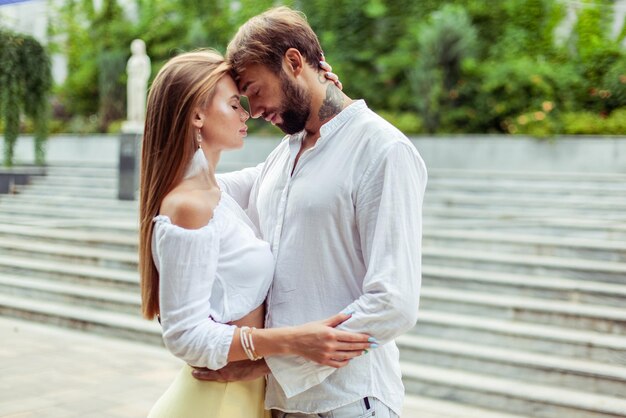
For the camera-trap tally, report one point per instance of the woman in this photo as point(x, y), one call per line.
point(204, 271)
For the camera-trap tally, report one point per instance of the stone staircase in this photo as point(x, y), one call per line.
point(523, 308)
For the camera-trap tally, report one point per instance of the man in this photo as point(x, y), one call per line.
point(340, 202)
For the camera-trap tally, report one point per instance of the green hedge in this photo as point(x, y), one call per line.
point(461, 66)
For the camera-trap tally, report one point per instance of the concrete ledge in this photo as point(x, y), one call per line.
point(525, 154)
point(573, 154)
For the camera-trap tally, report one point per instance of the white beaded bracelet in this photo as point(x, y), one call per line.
point(247, 344)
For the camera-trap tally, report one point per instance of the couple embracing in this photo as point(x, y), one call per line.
point(282, 286)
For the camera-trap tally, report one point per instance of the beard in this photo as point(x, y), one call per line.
point(295, 108)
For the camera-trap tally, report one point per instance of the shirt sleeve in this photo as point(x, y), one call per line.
point(296, 374)
point(238, 184)
point(389, 220)
point(187, 261)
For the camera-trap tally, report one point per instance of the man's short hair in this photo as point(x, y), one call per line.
point(265, 38)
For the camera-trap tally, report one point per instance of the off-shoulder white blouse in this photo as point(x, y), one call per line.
point(208, 277)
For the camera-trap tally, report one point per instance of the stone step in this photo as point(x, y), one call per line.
point(85, 237)
point(8, 209)
point(109, 225)
point(69, 273)
point(609, 320)
point(587, 229)
point(513, 216)
point(564, 267)
point(75, 181)
point(538, 176)
point(525, 187)
point(74, 254)
point(594, 377)
point(563, 227)
point(539, 287)
point(422, 407)
point(526, 244)
point(70, 202)
point(113, 324)
point(96, 191)
point(93, 172)
point(511, 395)
point(513, 198)
point(59, 209)
point(71, 294)
point(508, 208)
point(537, 338)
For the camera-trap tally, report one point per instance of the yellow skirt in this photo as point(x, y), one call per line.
point(188, 397)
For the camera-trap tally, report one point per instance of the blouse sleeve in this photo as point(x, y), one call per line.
point(187, 261)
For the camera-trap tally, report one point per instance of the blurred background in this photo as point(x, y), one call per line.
point(537, 67)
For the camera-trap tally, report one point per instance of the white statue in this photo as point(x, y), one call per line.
point(138, 70)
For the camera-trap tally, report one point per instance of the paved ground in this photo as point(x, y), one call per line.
point(58, 373)
point(53, 372)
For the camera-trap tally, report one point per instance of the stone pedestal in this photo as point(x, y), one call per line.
point(17, 176)
point(128, 173)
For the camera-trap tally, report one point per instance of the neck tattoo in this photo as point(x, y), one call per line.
point(332, 104)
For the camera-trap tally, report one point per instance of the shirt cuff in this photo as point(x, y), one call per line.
point(295, 374)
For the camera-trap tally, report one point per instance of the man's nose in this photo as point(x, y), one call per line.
point(256, 109)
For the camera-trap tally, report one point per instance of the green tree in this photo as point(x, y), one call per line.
point(445, 41)
point(25, 82)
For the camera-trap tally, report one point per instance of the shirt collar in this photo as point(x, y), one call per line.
point(333, 124)
point(343, 116)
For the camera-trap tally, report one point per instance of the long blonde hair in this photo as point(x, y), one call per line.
point(184, 83)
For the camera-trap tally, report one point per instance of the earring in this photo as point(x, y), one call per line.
point(199, 139)
point(198, 163)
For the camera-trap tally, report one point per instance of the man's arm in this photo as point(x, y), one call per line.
point(238, 184)
point(389, 219)
point(233, 372)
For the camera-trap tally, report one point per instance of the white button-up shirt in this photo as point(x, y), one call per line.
point(345, 229)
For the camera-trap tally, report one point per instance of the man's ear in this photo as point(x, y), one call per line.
point(294, 61)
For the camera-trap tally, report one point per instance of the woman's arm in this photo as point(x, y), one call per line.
point(318, 341)
point(238, 184)
point(188, 252)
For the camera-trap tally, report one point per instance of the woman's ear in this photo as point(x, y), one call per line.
point(294, 61)
point(198, 119)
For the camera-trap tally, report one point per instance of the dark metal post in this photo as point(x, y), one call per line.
point(129, 166)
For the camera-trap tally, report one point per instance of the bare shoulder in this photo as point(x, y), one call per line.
point(190, 209)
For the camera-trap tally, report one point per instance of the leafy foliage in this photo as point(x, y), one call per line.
point(430, 65)
point(445, 41)
point(25, 81)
